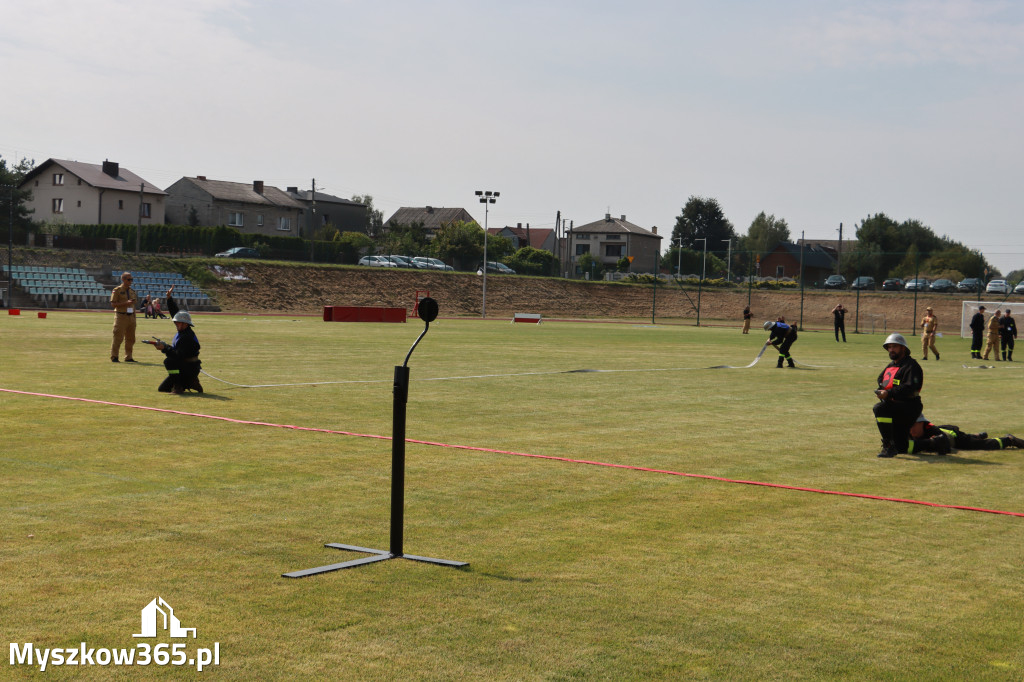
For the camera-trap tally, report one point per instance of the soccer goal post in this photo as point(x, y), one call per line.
point(969, 308)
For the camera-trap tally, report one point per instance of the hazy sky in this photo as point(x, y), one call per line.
point(818, 112)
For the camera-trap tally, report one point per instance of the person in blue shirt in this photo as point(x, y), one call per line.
point(782, 336)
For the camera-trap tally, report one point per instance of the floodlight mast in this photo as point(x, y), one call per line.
point(486, 198)
point(427, 310)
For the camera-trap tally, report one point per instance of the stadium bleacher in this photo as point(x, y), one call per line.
point(46, 284)
point(155, 284)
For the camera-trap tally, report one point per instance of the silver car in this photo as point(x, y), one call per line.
point(377, 261)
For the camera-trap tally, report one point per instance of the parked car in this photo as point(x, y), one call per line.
point(997, 286)
point(498, 268)
point(1019, 289)
point(969, 284)
point(835, 282)
point(377, 261)
point(943, 285)
point(892, 284)
point(401, 261)
point(919, 284)
point(430, 263)
point(863, 283)
point(239, 252)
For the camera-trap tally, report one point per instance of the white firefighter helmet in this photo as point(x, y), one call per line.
point(182, 316)
point(897, 339)
point(768, 325)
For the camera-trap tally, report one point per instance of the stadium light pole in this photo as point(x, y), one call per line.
point(486, 198)
point(703, 270)
point(728, 260)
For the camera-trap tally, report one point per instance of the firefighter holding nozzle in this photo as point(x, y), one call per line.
point(899, 396)
point(182, 361)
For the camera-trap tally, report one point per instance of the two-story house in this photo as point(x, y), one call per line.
point(430, 217)
point(254, 209)
point(79, 193)
point(610, 239)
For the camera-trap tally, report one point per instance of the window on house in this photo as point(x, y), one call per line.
point(120, 204)
point(79, 181)
point(235, 220)
point(147, 210)
point(582, 236)
point(284, 224)
point(613, 250)
point(259, 220)
point(58, 178)
point(79, 204)
point(582, 249)
point(615, 236)
point(780, 271)
point(58, 205)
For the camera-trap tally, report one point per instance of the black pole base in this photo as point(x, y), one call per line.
point(378, 555)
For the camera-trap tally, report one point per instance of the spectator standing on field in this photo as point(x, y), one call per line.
point(993, 334)
point(977, 331)
point(1007, 334)
point(929, 325)
point(124, 300)
point(746, 319)
point(839, 321)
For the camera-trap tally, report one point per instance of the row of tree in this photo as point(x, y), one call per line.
point(885, 248)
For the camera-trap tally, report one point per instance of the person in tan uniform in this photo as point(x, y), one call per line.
point(993, 334)
point(929, 325)
point(124, 300)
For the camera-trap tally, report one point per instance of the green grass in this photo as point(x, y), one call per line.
point(576, 571)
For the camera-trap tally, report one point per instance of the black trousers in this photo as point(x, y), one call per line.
point(180, 375)
point(841, 327)
point(894, 420)
point(977, 342)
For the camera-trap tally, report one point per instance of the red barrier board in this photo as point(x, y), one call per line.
point(346, 313)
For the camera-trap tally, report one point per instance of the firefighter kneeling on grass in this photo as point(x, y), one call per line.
point(782, 336)
point(899, 397)
point(182, 361)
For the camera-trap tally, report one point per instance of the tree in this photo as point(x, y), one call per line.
point(764, 232)
point(588, 265)
point(351, 245)
point(531, 261)
point(374, 218)
point(13, 175)
point(702, 218)
point(460, 243)
point(405, 240)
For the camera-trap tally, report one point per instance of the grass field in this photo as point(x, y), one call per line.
point(576, 571)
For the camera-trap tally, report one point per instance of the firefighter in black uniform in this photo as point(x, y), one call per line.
point(1007, 334)
point(182, 361)
point(977, 333)
point(899, 397)
point(941, 439)
point(782, 336)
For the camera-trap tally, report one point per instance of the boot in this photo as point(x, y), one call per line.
point(941, 443)
point(1010, 356)
point(196, 386)
point(779, 366)
point(888, 449)
point(936, 356)
point(1013, 441)
point(790, 361)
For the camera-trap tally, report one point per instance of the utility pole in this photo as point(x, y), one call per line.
point(138, 230)
point(10, 247)
point(312, 221)
point(839, 259)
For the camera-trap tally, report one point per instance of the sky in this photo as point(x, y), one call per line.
point(817, 112)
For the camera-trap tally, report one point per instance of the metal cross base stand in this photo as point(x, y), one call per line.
point(427, 312)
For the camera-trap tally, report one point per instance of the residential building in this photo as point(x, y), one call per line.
point(253, 209)
point(323, 209)
point(430, 217)
point(76, 193)
point(783, 260)
point(610, 239)
point(538, 238)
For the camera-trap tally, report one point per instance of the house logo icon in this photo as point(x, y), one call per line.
point(151, 620)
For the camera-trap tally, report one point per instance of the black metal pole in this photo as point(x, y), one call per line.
point(401, 397)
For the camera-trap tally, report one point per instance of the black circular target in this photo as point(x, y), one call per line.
point(427, 309)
